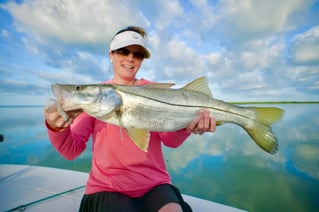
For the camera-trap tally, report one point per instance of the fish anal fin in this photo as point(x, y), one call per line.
point(140, 137)
point(200, 85)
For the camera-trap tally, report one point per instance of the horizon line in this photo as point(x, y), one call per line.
point(235, 102)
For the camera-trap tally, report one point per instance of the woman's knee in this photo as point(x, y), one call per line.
point(171, 207)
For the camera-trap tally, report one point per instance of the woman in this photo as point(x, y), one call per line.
point(123, 178)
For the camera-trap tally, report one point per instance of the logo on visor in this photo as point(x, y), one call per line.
point(135, 35)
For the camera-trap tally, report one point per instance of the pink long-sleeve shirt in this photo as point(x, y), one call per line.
point(117, 163)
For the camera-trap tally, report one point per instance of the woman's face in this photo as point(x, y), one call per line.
point(127, 61)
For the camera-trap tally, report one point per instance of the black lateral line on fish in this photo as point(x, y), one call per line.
point(191, 106)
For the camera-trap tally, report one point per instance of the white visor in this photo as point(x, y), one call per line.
point(128, 38)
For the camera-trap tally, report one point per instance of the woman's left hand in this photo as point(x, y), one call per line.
point(202, 123)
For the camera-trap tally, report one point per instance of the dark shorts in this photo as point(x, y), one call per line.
point(151, 201)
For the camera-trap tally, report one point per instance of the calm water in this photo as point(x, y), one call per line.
point(225, 167)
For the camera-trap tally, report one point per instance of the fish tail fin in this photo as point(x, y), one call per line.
point(261, 132)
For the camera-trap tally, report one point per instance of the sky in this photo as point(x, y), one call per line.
point(249, 50)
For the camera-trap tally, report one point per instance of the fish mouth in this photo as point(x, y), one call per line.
point(57, 91)
point(62, 97)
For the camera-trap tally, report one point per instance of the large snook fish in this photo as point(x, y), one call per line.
point(157, 107)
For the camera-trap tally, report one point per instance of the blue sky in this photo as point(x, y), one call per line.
point(250, 50)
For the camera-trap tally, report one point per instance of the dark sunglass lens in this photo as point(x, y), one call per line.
point(123, 51)
point(138, 55)
point(126, 52)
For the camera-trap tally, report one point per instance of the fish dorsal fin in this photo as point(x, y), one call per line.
point(160, 85)
point(140, 137)
point(200, 85)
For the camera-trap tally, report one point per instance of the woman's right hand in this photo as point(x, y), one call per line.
point(54, 119)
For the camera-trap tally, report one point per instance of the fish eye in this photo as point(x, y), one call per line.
point(78, 88)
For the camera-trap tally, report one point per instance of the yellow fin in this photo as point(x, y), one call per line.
point(268, 115)
point(218, 123)
point(140, 137)
point(160, 85)
point(200, 85)
point(261, 132)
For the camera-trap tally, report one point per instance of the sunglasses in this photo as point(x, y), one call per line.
point(126, 52)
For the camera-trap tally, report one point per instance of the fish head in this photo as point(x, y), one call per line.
point(97, 100)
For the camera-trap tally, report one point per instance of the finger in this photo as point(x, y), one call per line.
point(197, 124)
point(212, 125)
point(51, 108)
point(51, 117)
point(191, 127)
point(204, 121)
point(50, 113)
point(51, 105)
point(57, 122)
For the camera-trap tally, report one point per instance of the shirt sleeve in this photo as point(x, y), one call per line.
point(71, 142)
point(174, 139)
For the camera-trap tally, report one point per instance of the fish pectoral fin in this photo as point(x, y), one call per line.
point(140, 137)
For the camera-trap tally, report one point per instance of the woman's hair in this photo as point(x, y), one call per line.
point(137, 29)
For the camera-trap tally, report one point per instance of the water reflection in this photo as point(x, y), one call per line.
point(226, 167)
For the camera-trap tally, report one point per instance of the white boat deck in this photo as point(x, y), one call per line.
point(33, 188)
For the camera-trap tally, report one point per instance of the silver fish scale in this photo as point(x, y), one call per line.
point(172, 109)
point(153, 115)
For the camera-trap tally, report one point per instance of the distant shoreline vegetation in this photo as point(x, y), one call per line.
point(275, 102)
point(236, 103)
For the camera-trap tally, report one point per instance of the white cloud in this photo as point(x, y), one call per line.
point(185, 153)
point(305, 159)
point(249, 19)
point(169, 12)
point(174, 59)
point(73, 21)
point(236, 44)
point(30, 46)
point(305, 47)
